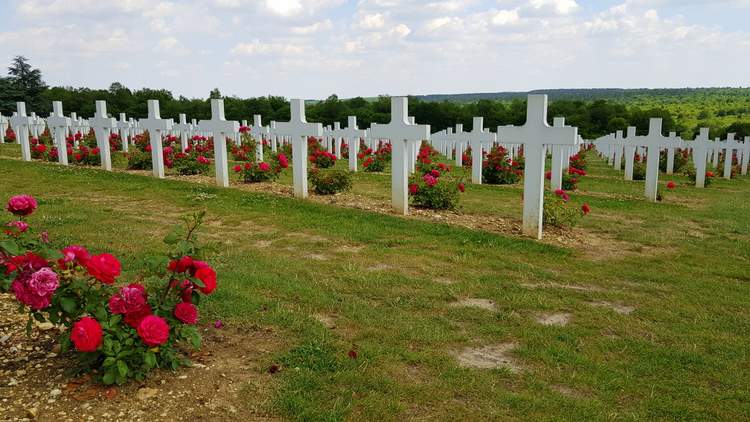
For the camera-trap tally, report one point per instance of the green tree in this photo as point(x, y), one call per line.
point(27, 84)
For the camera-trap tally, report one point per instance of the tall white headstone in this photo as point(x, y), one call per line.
point(701, 145)
point(402, 134)
point(534, 135)
point(184, 128)
point(478, 138)
point(260, 133)
point(729, 146)
point(103, 126)
point(156, 127)
point(123, 126)
point(20, 123)
point(299, 129)
point(221, 129)
point(745, 155)
point(352, 135)
point(59, 125)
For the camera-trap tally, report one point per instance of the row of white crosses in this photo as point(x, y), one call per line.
point(613, 146)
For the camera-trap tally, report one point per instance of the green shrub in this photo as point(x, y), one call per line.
point(639, 170)
point(139, 160)
point(330, 181)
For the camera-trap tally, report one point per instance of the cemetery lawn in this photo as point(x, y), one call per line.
point(647, 318)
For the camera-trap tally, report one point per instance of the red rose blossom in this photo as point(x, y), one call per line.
point(104, 268)
point(21, 205)
point(186, 312)
point(86, 334)
point(153, 330)
point(585, 208)
point(208, 277)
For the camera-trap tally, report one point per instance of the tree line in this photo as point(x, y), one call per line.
point(593, 118)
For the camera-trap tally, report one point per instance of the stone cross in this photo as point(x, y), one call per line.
point(700, 146)
point(534, 135)
point(156, 126)
point(558, 158)
point(629, 149)
point(20, 123)
point(336, 139)
point(619, 149)
point(59, 125)
point(671, 151)
point(184, 128)
point(477, 138)
point(654, 142)
point(259, 132)
point(745, 156)
point(221, 129)
point(123, 126)
point(299, 129)
point(103, 125)
point(402, 134)
point(3, 127)
point(458, 138)
point(729, 146)
point(352, 134)
point(715, 153)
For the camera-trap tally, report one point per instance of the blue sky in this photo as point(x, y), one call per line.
point(313, 48)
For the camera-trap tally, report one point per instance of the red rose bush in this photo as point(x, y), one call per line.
point(117, 331)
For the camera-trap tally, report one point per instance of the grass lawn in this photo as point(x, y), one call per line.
point(655, 297)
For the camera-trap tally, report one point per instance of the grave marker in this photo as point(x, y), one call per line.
point(123, 126)
point(221, 129)
point(534, 135)
point(59, 125)
point(402, 134)
point(156, 126)
point(299, 129)
point(701, 146)
point(259, 132)
point(352, 134)
point(729, 146)
point(184, 128)
point(477, 138)
point(103, 126)
point(20, 123)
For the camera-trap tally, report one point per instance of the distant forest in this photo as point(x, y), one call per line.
point(595, 112)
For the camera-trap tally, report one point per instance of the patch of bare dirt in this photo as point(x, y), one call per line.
point(485, 304)
point(328, 320)
point(315, 256)
point(556, 319)
point(496, 356)
point(380, 267)
point(617, 307)
point(229, 379)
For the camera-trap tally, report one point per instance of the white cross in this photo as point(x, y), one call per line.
point(352, 134)
point(20, 124)
point(103, 126)
point(619, 148)
point(629, 148)
point(184, 128)
point(402, 134)
point(729, 146)
point(458, 137)
point(534, 135)
point(745, 155)
point(220, 128)
point(558, 157)
point(477, 138)
point(701, 145)
point(3, 127)
point(671, 151)
point(654, 142)
point(156, 126)
point(299, 129)
point(123, 126)
point(259, 132)
point(59, 125)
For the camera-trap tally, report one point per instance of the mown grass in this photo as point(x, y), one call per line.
point(389, 282)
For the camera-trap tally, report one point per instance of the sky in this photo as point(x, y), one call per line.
point(314, 48)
